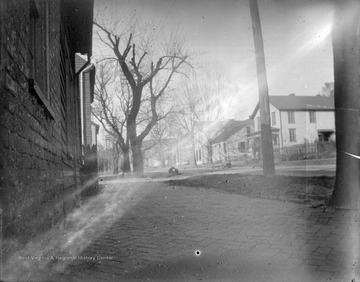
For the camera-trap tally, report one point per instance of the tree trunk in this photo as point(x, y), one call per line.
point(161, 154)
point(116, 161)
point(126, 161)
point(346, 42)
point(210, 153)
point(193, 146)
point(193, 150)
point(137, 157)
point(138, 162)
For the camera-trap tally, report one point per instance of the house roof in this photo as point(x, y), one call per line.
point(150, 143)
point(82, 65)
point(79, 62)
point(299, 103)
point(79, 18)
point(147, 144)
point(231, 128)
point(211, 127)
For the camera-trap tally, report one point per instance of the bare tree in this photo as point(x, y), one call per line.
point(149, 74)
point(111, 110)
point(328, 89)
point(162, 136)
point(199, 104)
point(188, 113)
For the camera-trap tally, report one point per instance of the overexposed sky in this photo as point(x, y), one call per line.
point(296, 35)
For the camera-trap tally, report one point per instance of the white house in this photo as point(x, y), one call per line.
point(299, 119)
point(231, 145)
point(205, 132)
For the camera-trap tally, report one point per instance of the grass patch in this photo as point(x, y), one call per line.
point(308, 190)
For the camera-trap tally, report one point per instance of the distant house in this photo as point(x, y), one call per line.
point(94, 133)
point(297, 120)
point(205, 132)
point(184, 154)
point(159, 153)
point(231, 145)
point(168, 152)
point(40, 132)
point(106, 154)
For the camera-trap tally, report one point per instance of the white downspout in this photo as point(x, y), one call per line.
point(82, 102)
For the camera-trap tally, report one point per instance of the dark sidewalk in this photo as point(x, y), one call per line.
point(150, 231)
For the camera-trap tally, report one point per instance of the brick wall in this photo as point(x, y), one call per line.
point(39, 151)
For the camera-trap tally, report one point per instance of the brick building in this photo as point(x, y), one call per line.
point(40, 122)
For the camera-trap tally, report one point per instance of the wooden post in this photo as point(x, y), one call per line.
point(266, 136)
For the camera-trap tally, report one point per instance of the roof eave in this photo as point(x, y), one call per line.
point(252, 116)
point(308, 109)
point(79, 18)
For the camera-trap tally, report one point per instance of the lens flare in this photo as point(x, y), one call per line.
point(318, 37)
point(50, 252)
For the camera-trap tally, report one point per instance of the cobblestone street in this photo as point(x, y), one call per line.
point(150, 231)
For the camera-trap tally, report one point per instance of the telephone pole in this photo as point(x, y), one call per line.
point(266, 135)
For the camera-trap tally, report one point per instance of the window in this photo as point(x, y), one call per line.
point(242, 146)
point(312, 117)
point(248, 130)
point(258, 124)
point(325, 135)
point(34, 15)
point(39, 45)
point(275, 139)
point(291, 117)
point(273, 118)
point(292, 135)
point(38, 53)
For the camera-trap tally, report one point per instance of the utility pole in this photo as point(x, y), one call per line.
point(345, 43)
point(266, 135)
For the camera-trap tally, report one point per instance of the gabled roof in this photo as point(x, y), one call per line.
point(211, 127)
point(232, 127)
point(150, 143)
point(300, 103)
point(79, 62)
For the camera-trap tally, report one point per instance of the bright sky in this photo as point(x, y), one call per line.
point(296, 34)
